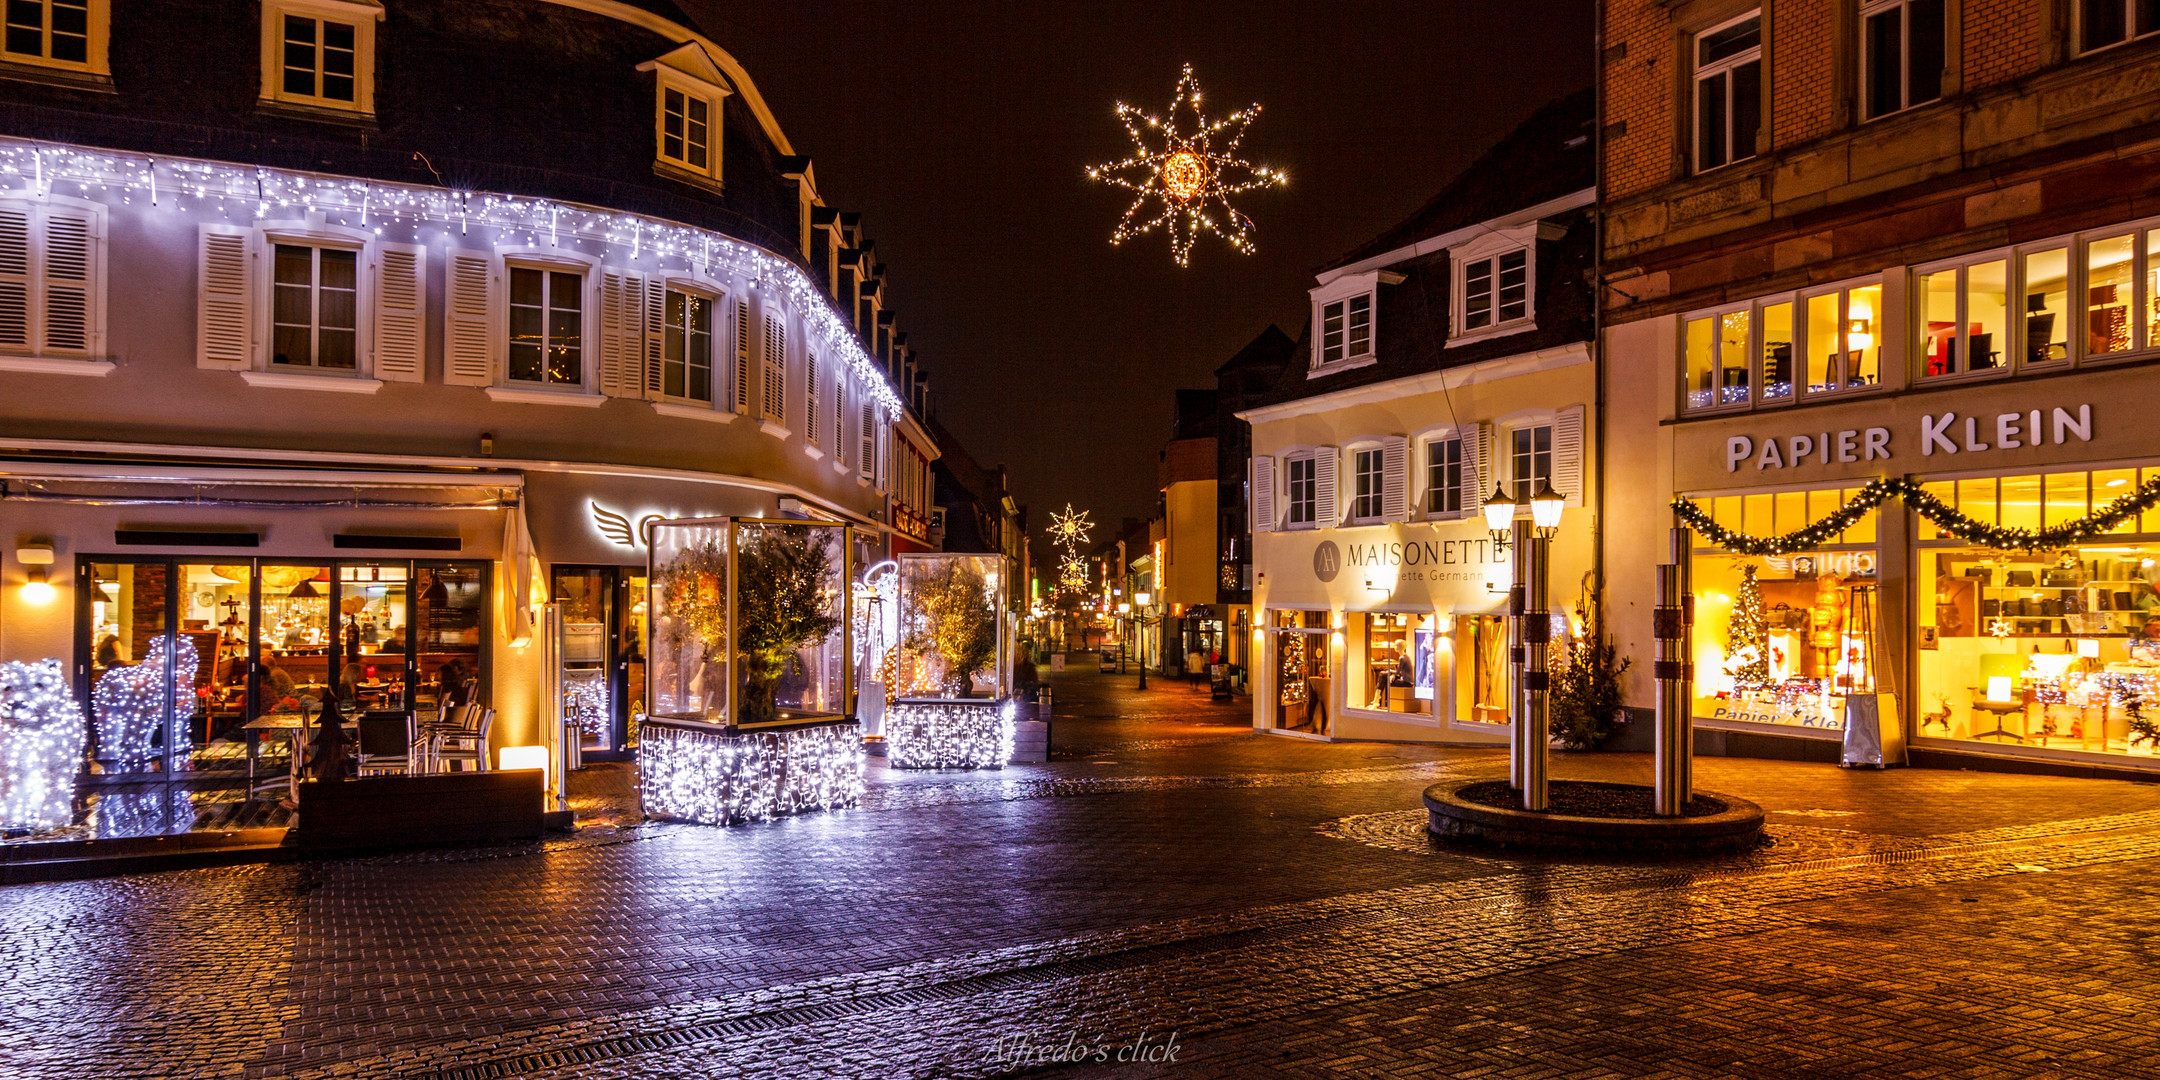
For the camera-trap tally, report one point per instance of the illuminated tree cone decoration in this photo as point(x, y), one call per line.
point(41, 742)
point(783, 606)
point(131, 702)
point(1184, 168)
point(1953, 524)
point(1747, 635)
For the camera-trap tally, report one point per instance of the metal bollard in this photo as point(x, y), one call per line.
point(1675, 708)
point(1536, 635)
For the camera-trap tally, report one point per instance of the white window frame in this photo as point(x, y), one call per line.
point(1489, 247)
point(2144, 235)
point(1520, 488)
point(34, 354)
point(1339, 295)
point(1901, 10)
point(690, 72)
point(715, 379)
point(361, 15)
point(2131, 31)
point(1290, 502)
point(1699, 73)
point(320, 238)
point(94, 61)
point(1354, 455)
point(1468, 489)
point(1758, 372)
point(511, 259)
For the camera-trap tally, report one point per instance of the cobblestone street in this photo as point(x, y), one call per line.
point(1270, 903)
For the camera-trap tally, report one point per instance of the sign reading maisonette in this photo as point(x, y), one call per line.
point(1442, 565)
point(1939, 435)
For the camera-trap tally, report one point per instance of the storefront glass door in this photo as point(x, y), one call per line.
point(217, 609)
point(139, 693)
point(603, 657)
point(1302, 683)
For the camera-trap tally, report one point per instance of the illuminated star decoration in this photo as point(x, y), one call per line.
point(1069, 530)
point(1191, 175)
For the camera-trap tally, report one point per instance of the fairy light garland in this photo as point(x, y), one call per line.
point(949, 734)
point(1953, 524)
point(255, 192)
point(715, 778)
point(41, 745)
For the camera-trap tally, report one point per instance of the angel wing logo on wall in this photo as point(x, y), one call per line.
point(612, 525)
point(617, 527)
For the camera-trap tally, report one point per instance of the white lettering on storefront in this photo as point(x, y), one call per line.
point(1938, 434)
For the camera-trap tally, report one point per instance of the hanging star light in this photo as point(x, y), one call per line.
point(1190, 175)
point(1069, 530)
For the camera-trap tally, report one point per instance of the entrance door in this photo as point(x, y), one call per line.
point(1302, 685)
point(603, 654)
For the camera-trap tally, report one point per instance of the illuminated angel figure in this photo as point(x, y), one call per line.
point(1190, 176)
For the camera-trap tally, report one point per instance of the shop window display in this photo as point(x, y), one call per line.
point(2043, 649)
point(1782, 639)
point(1392, 663)
point(1302, 679)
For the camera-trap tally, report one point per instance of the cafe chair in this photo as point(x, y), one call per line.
point(386, 744)
point(466, 738)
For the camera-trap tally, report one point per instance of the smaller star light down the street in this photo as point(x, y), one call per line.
point(1069, 530)
point(1184, 168)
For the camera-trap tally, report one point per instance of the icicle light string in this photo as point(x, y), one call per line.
point(39, 170)
point(1953, 524)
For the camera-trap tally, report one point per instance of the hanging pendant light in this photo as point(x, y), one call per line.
point(436, 594)
point(306, 590)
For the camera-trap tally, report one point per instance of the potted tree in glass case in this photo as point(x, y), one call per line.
point(749, 674)
point(952, 705)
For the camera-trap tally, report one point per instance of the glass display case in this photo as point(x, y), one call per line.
point(952, 666)
point(750, 683)
point(951, 642)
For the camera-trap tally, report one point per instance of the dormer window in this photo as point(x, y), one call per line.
point(1345, 333)
point(1346, 329)
point(65, 35)
point(1494, 283)
point(320, 54)
point(688, 92)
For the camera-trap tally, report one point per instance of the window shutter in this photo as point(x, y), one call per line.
point(655, 337)
point(742, 356)
point(469, 336)
point(1263, 494)
point(225, 303)
point(1395, 478)
point(14, 276)
point(1567, 470)
point(622, 333)
point(868, 461)
point(400, 312)
point(1327, 502)
point(70, 275)
point(839, 417)
point(810, 397)
point(1473, 469)
point(775, 382)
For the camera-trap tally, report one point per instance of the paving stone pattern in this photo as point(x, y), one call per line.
point(1273, 902)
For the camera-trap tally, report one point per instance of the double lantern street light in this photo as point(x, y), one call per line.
point(1531, 541)
point(1140, 624)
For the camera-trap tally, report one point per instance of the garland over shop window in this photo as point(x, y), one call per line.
point(1948, 520)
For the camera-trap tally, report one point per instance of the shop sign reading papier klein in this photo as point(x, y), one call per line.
point(1940, 433)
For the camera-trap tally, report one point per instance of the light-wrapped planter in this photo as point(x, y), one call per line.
point(41, 745)
point(717, 776)
point(949, 734)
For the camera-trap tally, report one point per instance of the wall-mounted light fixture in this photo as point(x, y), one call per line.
point(37, 586)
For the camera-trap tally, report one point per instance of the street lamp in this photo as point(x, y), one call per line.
point(1545, 507)
point(1499, 517)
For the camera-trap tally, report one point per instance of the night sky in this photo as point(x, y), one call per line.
point(962, 131)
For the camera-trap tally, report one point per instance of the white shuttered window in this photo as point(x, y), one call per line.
point(51, 256)
point(400, 295)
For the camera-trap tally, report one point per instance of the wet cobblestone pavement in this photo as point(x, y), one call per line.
point(1272, 902)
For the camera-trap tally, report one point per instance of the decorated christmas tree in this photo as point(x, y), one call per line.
point(1747, 636)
